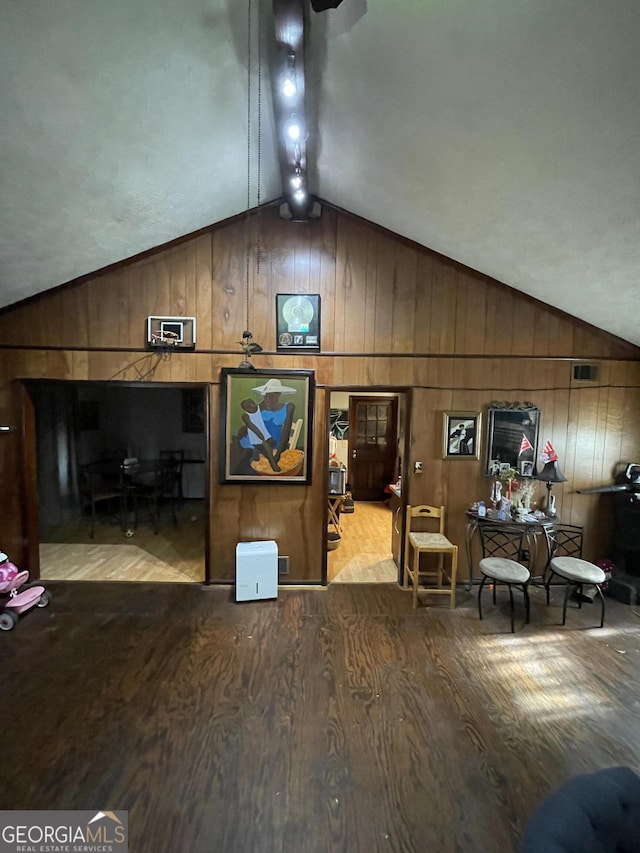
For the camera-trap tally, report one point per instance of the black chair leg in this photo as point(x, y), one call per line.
point(525, 590)
point(513, 627)
point(599, 591)
point(547, 583)
point(564, 604)
point(480, 596)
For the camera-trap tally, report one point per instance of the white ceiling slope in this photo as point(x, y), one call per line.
point(504, 134)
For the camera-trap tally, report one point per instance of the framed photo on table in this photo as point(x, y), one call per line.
point(461, 435)
point(298, 322)
point(266, 426)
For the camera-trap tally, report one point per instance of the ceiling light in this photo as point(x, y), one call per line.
point(289, 87)
point(294, 131)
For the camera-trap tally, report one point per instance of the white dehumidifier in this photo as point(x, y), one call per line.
point(256, 570)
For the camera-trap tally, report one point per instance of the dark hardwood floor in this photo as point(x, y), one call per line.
point(326, 720)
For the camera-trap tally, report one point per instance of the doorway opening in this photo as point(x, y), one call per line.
point(367, 439)
point(102, 451)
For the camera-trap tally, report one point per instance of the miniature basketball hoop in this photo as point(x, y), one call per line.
point(164, 339)
point(171, 333)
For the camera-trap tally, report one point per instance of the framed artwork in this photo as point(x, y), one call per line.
point(192, 410)
point(512, 437)
point(298, 322)
point(461, 435)
point(266, 425)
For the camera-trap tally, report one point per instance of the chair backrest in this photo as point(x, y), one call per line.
point(563, 540)
point(425, 511)
point(176, 455)
point(165, 477)
point(98, 481)
point(504, 540)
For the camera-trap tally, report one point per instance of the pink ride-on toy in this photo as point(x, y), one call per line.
point(16, 596)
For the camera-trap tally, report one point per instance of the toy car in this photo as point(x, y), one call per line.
point(16, 595)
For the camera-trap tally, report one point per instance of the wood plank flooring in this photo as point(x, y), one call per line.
point(364, 554)
point(331, 720)
point(176, 554)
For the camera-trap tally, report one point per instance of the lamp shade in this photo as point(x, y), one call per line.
point(551, 473)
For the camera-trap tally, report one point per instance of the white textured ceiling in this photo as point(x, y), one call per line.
point(504, 134)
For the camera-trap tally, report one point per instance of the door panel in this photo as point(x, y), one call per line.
point(372, 446)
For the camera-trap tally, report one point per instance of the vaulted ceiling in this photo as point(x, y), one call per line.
point(504, 134)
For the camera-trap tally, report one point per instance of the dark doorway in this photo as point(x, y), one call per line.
point(79, 423)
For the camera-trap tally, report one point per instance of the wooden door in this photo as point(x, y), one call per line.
point(373, 430)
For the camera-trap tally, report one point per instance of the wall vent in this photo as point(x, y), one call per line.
point(283, 565)
point(585, 372)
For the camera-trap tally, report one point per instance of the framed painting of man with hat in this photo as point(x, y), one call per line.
point(266, 426)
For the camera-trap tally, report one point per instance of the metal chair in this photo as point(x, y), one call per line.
point(563, 540)
point(577, 573)
point(176, 456)
point(157, 494)
point(564, 552)
point(429, 543)
point(100, 487)
point(503, 552)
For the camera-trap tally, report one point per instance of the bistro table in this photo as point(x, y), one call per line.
point(532, 532)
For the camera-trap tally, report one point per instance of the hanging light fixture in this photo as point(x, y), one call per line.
point(250, 347)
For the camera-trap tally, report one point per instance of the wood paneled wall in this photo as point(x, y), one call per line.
point(394, 316)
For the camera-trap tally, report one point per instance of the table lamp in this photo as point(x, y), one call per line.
point(550, 474)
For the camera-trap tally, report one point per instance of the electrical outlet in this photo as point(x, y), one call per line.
point(283, 565)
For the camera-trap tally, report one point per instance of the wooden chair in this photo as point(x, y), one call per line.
point(429, 543)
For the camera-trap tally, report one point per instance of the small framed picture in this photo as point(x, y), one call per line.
point(461, 435)
point(298, 322)
point(526, 469)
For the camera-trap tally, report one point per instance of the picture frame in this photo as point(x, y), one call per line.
point(192, 410)
point(526, 468)
point(298, 322)
point(461, 435)
point(512, 437)
point(266, 426)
